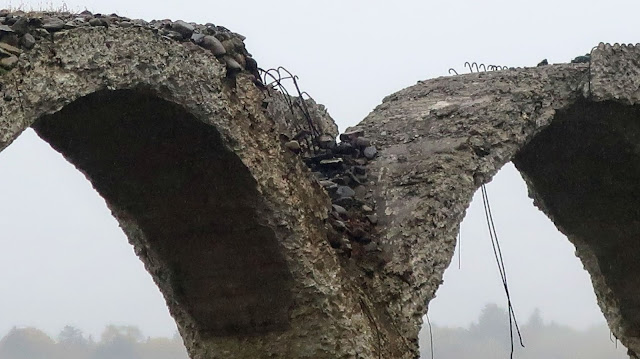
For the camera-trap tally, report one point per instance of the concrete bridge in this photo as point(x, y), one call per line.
point(185, 145)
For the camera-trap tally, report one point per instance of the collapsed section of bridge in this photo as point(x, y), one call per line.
point(269, 239)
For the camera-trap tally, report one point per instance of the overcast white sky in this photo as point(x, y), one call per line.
point(63, 259)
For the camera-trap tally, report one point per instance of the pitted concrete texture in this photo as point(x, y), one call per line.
point(184, 143)
point(574, 142)
point(228, 222)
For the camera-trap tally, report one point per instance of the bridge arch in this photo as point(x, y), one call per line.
point(569, 129)
point(187, 203)
point(229, 223)
point(125, 102)
point(583, 173)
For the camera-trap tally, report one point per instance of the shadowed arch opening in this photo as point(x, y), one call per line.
point(584, 173)
point(552, 295)
point(194, 201)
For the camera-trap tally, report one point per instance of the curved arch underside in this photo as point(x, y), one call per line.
point(193, 199)
point(584, 173)
point(572, 130)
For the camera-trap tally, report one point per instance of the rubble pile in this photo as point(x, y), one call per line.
point(341, 169)
point(20, 31)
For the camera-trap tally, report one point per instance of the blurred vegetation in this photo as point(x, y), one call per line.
point(116, 342)
point(488, 338)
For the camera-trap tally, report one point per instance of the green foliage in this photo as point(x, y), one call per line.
point(116, 342)
point(488, 338)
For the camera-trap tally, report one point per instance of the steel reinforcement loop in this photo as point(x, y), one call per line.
point(474, 67)
point(275, 77)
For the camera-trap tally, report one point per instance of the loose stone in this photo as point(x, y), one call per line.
point(339, 210)
point(241, 60)
point(98, 22)
point(362, 142)
point(349, 202)
point(373, 219)
point(232, 64)
point(197, 38)
point(328, 184)
point(342, 180)
point(214, 45)
point(11, 39)
point(581, 59)
point(140, 22)
point(184, 28)
point(332, 162)
point(338, 225)
point(53, 24)
point(41, 33)
point(293, 146)
point(28, 41)
point(10, 49)
point(21, 26)
point(344, 148)
point(10, 20)
point(351, 134)
point(8, 63)
point(326, 142)
point(366, 208)
point(5, 28)
point(174, 35)
point(345, 191)
point(370, 152)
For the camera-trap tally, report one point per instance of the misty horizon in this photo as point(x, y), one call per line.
point(65, 261)
point(485, 338)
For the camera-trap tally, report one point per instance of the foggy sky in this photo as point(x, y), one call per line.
point(63, 259)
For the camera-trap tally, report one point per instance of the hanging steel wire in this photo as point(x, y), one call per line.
point(513, 323)
point(591, 57)
point(459, 249)
point(430, 335)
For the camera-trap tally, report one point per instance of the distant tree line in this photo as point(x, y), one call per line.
point(488, 338)
point(116, 342)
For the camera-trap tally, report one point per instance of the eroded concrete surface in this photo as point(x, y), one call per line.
point(186, 148)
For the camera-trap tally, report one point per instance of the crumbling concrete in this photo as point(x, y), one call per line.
point(569, 128)
point(173, 127)
point(229, 223)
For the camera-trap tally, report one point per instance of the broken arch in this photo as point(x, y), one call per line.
point(269, 210)
point(437, 141)
point(447, 136)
